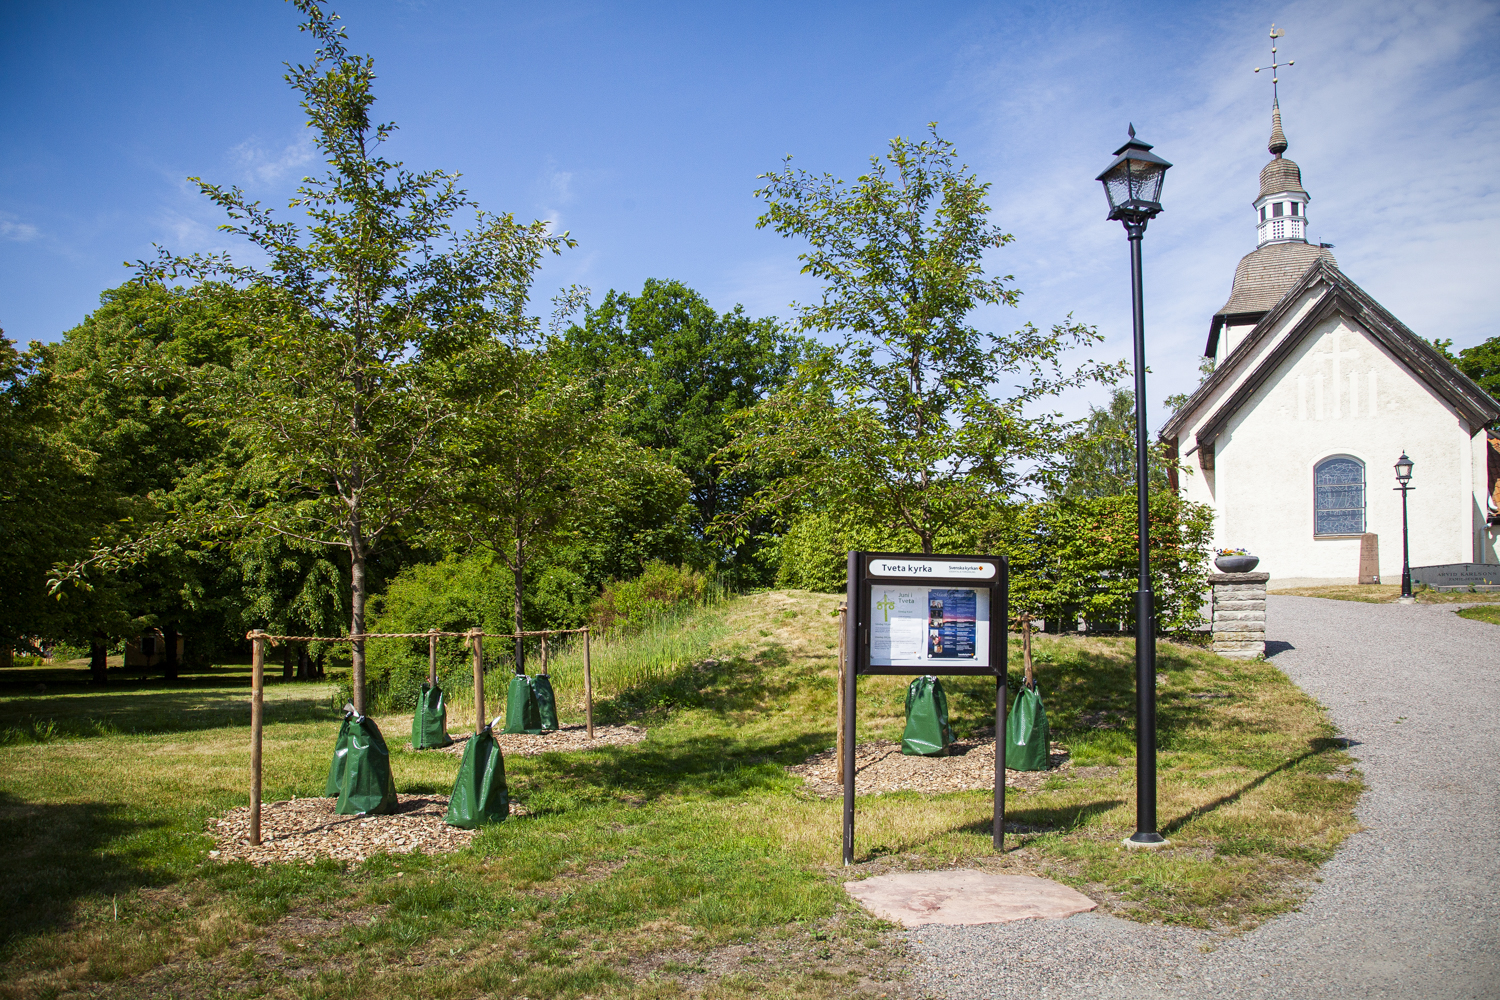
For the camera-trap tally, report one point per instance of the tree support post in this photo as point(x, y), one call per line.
point(432, 656)
point(257, 721)
point(588, 686)
point(476, 638)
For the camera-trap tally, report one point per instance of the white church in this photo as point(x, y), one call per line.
point(1316, 392)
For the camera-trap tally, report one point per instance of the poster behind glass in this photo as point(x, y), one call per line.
point(914, 626)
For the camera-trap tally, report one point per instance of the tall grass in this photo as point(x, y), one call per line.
point(625, 664)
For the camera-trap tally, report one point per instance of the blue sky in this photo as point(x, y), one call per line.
point(641, 129)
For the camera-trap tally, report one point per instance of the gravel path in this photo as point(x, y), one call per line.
point(1408, 908)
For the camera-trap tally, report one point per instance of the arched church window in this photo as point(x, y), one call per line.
point(1339, 496)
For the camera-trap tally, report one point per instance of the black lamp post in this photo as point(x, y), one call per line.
point(1132, 183)
point(1403, 476)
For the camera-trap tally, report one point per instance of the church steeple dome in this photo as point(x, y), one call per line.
point(1282, 204)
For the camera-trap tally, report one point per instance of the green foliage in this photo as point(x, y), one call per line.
point(915, 418)
point(1482, 364)
point(631, 605)
point(1101, 453)
point(455, 595)
point(1070, 557)
point(692, 368)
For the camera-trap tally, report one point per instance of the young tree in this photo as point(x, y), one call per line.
point(537, 457)
point(340, 404)
point(915, 417)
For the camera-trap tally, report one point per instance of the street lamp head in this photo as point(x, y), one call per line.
point(1403, 469)
point(1132, 183)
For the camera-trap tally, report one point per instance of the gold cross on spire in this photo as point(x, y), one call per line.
point(1275, 66)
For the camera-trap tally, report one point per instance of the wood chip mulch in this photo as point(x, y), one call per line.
point(559, 740)
point(303, 830)
point(880, 766)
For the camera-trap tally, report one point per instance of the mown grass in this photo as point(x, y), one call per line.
point(1484, 614)
point(1386, 593)
point(689, 864)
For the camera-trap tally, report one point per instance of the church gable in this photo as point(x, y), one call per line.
point(1278, 339)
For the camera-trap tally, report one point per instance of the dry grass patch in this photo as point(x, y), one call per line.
point(1386, 593)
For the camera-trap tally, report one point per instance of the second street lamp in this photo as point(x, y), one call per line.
point(1132, 183)
point(1403, 476)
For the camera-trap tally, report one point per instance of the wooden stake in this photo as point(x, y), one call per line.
point(477, 636)
point(257, 721)
point(1026, 648)
point(588, 685)
point(432, 658)
point(843, 666)
point(544, 656)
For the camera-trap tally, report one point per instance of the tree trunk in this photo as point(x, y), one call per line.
point(98, 666)
point(286, 661)
point(304, 662)
point(357, 619)
point(318, 663)
point(169, 636)
point(518, 568)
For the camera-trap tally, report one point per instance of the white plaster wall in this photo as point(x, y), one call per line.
point(1262, 484)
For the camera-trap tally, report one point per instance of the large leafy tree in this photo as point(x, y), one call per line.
point(690, 368)
point(1099, 456)
point(914, 418)
point(341, 405)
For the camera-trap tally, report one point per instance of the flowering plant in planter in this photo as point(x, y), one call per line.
point(1231, 552)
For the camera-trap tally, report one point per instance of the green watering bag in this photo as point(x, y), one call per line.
point(363, 768)
point(546, 701)
point(429, 727)
point(521, 714)
point(927, 731)
point(1026, 732)
point(340, 756)
point(479, 795)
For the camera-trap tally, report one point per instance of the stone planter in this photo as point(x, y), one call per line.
point(1236, 564)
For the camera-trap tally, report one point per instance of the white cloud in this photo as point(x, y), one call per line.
point(257, 165)
point(19, 232)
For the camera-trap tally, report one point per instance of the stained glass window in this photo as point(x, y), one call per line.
point(1339, 497)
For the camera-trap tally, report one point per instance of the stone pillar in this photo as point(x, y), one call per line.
point(1239, 615)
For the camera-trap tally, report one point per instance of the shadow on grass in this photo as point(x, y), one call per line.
point(59, 853)
point(1317, 747)
point(42, 717)
point(1043, 820)
point(716, 765)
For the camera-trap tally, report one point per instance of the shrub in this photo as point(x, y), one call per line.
point(1070, 557)
point(660, 590)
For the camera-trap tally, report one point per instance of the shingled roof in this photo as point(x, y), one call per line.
point(1263, 276)
point(1338, 296)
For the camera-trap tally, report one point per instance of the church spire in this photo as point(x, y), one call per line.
point(1277, 145)
point(1282, 204)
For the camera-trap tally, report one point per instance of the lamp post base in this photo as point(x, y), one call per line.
point(1406, 600)
point(1146, 841)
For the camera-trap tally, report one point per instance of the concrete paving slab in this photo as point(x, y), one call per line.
point(965, 896)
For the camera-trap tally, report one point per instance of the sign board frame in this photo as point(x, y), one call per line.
point(989, 577)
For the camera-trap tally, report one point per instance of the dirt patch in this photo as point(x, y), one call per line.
point(303, 830)
point(560, 740)
point(880, 766)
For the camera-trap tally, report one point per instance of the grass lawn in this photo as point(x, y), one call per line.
point(687, 865)
point(1489, 614)
point(1386, 593)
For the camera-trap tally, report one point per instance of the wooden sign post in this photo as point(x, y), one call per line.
point(916, 615)
point(257, 722)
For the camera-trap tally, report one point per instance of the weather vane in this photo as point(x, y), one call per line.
point(1275, 67)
